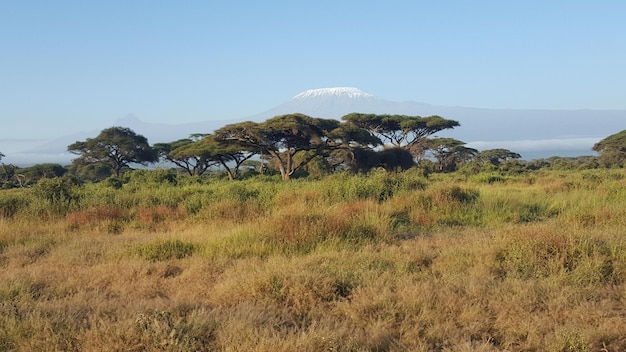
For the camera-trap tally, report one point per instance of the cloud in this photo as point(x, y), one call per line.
point(539, 145)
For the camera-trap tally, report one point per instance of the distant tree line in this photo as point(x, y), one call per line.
point(296, 144)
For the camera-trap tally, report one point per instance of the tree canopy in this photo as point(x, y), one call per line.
point(7, 171)
point(401, 130)
point(118, 147)
point(188, 154)
point(449, 152)
point(282, 137)
point(229, 156)
point(612, 149)
point(496, 156)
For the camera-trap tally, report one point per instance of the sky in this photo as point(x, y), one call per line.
point(67, 66)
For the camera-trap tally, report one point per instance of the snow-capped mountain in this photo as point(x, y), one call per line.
point(348, 92)
point(334, 103)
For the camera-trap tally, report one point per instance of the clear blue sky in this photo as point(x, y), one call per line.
point(66, 66)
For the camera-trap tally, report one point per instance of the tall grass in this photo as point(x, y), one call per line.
point(379, 262)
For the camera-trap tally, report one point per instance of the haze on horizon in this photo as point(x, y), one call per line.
point(70, 66)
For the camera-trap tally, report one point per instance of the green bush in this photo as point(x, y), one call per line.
point(57, 190)
point(535, 212)
point(114, 182)
point(166, 250)
point(377, 185)
point(456, 194)
point(11, 205)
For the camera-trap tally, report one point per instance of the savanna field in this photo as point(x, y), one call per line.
point(378, 262)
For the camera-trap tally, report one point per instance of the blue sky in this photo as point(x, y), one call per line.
point(67, 66)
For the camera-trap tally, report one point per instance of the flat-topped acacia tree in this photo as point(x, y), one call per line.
point(450, 152)
point(282, 137)
point(228, 156)
point(187, 154)
point(402, 131)
point(496, 156)
point(199, 152)
point(117, 147)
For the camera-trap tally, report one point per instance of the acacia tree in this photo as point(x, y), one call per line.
point(496, 156)
point(188, 154)
point(228, 155)
point(612, 149)
point(117, 147)
point(402, 131)
point(450, 152)
point(282, 137)
point(354, 147)
point(91, 171)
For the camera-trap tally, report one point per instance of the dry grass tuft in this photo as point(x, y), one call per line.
point(94, 216)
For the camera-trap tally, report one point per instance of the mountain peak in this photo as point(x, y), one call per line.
point(128, 120)
point(348, 92)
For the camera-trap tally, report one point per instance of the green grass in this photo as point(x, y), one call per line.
point(165, 250)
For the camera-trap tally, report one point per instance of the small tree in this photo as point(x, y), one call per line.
point(57, 190)
point(496, 156)
point(116, 146)
point(8, 171)
point(450, 152)
point(188, 154)
point(90, 171)
point(230, 156)
point(612, 149)
point(39, 171)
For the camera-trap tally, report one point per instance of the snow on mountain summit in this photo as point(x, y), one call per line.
point(347, 92)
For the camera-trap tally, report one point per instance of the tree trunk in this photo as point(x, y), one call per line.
point(281, 166)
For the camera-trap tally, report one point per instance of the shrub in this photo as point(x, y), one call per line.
point(377, 185)
point(583, 260)
point(57, 190)
point(153, 177)
point(166, 250)
point(535, 212)
point(456, 194)
point(114, 182)
point(11, 205)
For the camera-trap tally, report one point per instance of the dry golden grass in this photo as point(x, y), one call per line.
point(525, 266)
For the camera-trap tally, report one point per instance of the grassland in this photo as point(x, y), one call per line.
point(383, 262)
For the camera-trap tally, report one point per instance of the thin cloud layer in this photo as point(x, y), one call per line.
point(565, 144)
